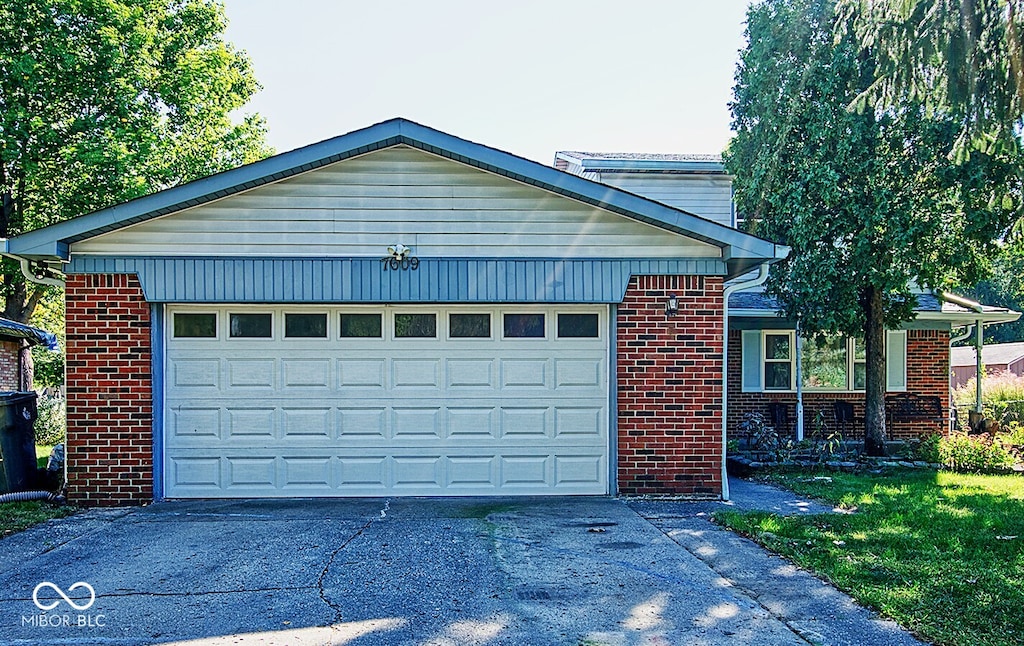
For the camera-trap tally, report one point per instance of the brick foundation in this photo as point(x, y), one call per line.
point(109, 391)
point(927, 374)
point(670, 387)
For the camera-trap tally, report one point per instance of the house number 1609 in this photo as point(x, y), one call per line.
point(396, 264)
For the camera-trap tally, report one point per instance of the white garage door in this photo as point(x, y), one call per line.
point(379, 401)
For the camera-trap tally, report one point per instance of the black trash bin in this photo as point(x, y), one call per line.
point(18, 414)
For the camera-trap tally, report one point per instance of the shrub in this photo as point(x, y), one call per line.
point(973, 453)
point(51, 427)
point(929, 449)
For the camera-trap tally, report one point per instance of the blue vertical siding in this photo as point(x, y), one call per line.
point(364, 280)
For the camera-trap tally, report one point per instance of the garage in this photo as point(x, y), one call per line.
point(328, 401)
point(393, 312)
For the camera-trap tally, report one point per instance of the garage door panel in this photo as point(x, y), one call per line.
point(519, 373)
point(196, 374)
point(415, 373)
point(370, 417)
point(362, 423)
point(473, 374)
point(306, 373)
point(578, 372)
point(307, 473)
point(307, 423)
point(251, 373)
point(195, 424)
point(416, 424)
point(578, 421)
point(251, 424)
point(361, 374)
point(362, 473)
point(472, 423)
point(251, 471)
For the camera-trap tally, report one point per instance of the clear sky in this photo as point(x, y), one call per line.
point(526, 76)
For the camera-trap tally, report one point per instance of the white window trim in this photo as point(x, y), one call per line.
point(851, 362)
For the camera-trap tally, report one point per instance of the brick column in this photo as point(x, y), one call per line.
point(670, 387)
point(109, 391)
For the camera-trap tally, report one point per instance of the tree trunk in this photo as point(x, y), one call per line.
point(874, 396)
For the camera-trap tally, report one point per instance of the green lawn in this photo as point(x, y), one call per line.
point(941, 553)
point(16, 516)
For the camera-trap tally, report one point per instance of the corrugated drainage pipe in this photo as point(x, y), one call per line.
point(24, 496)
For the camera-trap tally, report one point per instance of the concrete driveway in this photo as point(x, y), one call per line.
point(414, 571)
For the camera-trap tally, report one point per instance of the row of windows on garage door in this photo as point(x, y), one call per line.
point(371, 325)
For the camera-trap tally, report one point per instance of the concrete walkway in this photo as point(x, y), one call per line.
point(414, 571)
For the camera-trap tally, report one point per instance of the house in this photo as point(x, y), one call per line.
point(762, 346)
point(16, 338)
point(395, 311)
point(996, 358)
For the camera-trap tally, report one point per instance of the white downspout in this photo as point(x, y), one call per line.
point(762, 276)
point(952, 340)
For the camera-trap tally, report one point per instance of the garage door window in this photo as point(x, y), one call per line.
point(251, 326)
point(469, 326)
point(305, 326)
point(415, 326)
point(365, 326)
point(524, 326)
point(577, 326)
point(195, 326)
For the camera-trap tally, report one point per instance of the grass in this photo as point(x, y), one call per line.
point(941, 553)
point(17, 516)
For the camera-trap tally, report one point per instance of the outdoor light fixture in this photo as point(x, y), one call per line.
point(671, 305)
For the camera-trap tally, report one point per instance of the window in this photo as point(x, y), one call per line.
point(827, 363)
point(469, 326)
point(577, 326)
point(824, 363)
point(778, 361)
point(410, 326)
point(524, 326)
point(305, 326)
point(195, 326)
point(250, 326)
point(367, 326)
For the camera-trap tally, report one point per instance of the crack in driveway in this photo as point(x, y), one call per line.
point(338, 614)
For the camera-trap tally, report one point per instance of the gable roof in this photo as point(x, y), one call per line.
point(995, 354)
point(51, 244)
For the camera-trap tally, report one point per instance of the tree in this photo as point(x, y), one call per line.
point(1005, 286)
point(961, 58)
point(106, 100)
point(870, 203)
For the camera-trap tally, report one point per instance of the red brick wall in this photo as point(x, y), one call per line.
point(927, 374)
point(9, 351)
point(670, 387)
point(109, 391)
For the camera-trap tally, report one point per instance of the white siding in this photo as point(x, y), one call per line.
point(709, 196)
point(359, 206)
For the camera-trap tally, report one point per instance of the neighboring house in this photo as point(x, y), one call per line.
point(762, 362)
point(264, 332)
point(996, 358)
point(16, 338)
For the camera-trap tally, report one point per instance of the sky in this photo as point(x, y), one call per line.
point(526, 76)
